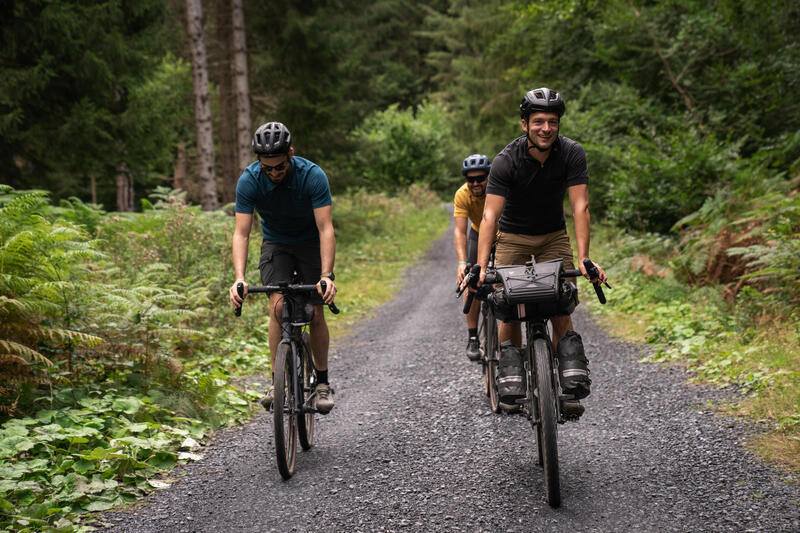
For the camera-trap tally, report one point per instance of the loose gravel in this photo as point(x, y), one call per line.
point(413, 446)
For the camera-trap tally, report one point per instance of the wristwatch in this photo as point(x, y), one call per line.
point(328, 275)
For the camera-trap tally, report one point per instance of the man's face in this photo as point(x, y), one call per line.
point(278, 167)
point(542, 129)
point(476, 181)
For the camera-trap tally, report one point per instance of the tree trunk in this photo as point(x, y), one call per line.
point(227, 103)
point(124, 189)
point(179, 177)
point(202, 106)
point(243, 126)
point(93, 187)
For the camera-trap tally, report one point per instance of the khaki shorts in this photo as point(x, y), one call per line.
point(516, 248)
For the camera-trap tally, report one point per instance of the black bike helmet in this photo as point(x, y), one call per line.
point(475, 162)
point(542, 99)
point(272, 139)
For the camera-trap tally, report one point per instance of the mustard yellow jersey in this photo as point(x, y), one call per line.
point(466, 205)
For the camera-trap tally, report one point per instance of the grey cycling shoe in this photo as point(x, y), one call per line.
point(324, 398)
point(573, 366)
point(474, 349)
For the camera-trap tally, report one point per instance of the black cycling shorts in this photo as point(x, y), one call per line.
point(279, 261)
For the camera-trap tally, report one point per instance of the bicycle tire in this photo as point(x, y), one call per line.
point(284, 416)
point(492, 348)
point(548, 421)
point(306, 383)
point(484, 347)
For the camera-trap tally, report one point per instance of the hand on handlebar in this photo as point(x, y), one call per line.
point(329, 290)
point(233, 294)
point(461, 272)
point(600, 276)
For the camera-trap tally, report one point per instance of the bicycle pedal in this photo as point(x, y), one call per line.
point(572, 410)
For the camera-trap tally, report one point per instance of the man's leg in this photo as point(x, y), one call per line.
point(473, 343)
point(561, 324)
point(511, 370)
point(320, 339)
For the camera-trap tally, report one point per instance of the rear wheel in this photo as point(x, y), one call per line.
point(284, 416)
point(305, 420)
point(547, 432)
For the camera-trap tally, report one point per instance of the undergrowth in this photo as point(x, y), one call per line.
point(748, 343)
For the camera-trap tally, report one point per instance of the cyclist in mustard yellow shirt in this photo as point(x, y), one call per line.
point(467, 214)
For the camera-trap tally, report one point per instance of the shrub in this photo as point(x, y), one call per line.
point(399, 147)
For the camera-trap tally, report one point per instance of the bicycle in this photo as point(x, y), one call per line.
point(295, 376)
point(487, 333)
point(534, 296)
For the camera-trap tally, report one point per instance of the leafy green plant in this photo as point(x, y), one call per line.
point(403, 147)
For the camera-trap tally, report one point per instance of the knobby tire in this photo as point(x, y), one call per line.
point(306, 384)
point(547, 434)
point(492, 349)
point(284, 416)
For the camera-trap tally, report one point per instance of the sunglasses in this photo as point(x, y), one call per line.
point(477, 179)
point(278, 167)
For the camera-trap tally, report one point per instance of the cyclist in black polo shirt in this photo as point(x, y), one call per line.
point(525, 194)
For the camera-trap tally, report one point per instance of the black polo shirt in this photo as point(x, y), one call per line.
point(534, 192)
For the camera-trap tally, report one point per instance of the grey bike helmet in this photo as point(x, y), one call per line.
point(475, 162)
point(272, 139)
point(542, 99)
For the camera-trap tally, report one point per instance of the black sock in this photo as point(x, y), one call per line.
point(322, 376)
point(473, 333)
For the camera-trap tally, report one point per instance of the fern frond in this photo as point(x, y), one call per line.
point(14, 348)
point(9, 359)
point(178, 331)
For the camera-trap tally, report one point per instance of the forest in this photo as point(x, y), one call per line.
point(124, 126)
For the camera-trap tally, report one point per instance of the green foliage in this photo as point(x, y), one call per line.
point(747, 343)
point(403, 147)
point(69, 70)
point(349, 60)
point(101, 451)
point(42, 282)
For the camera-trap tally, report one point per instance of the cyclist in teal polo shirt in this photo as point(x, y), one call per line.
point(292, 196)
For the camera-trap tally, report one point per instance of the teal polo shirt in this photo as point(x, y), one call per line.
point(286, 209)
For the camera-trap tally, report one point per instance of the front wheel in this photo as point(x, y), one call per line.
point(307, 380)
point(491, 358)
point(547, 432)
point(284, 415)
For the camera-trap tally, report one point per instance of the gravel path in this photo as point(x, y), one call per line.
point(413, 446)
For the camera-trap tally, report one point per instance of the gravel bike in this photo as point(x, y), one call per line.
point(295, 376)
point(487, 333)
point(533, 294)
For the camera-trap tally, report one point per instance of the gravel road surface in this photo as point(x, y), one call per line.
point(413, 446)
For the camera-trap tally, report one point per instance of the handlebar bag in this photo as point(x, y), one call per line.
point(537, 291)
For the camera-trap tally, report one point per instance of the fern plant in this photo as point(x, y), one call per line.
point(41, 279)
